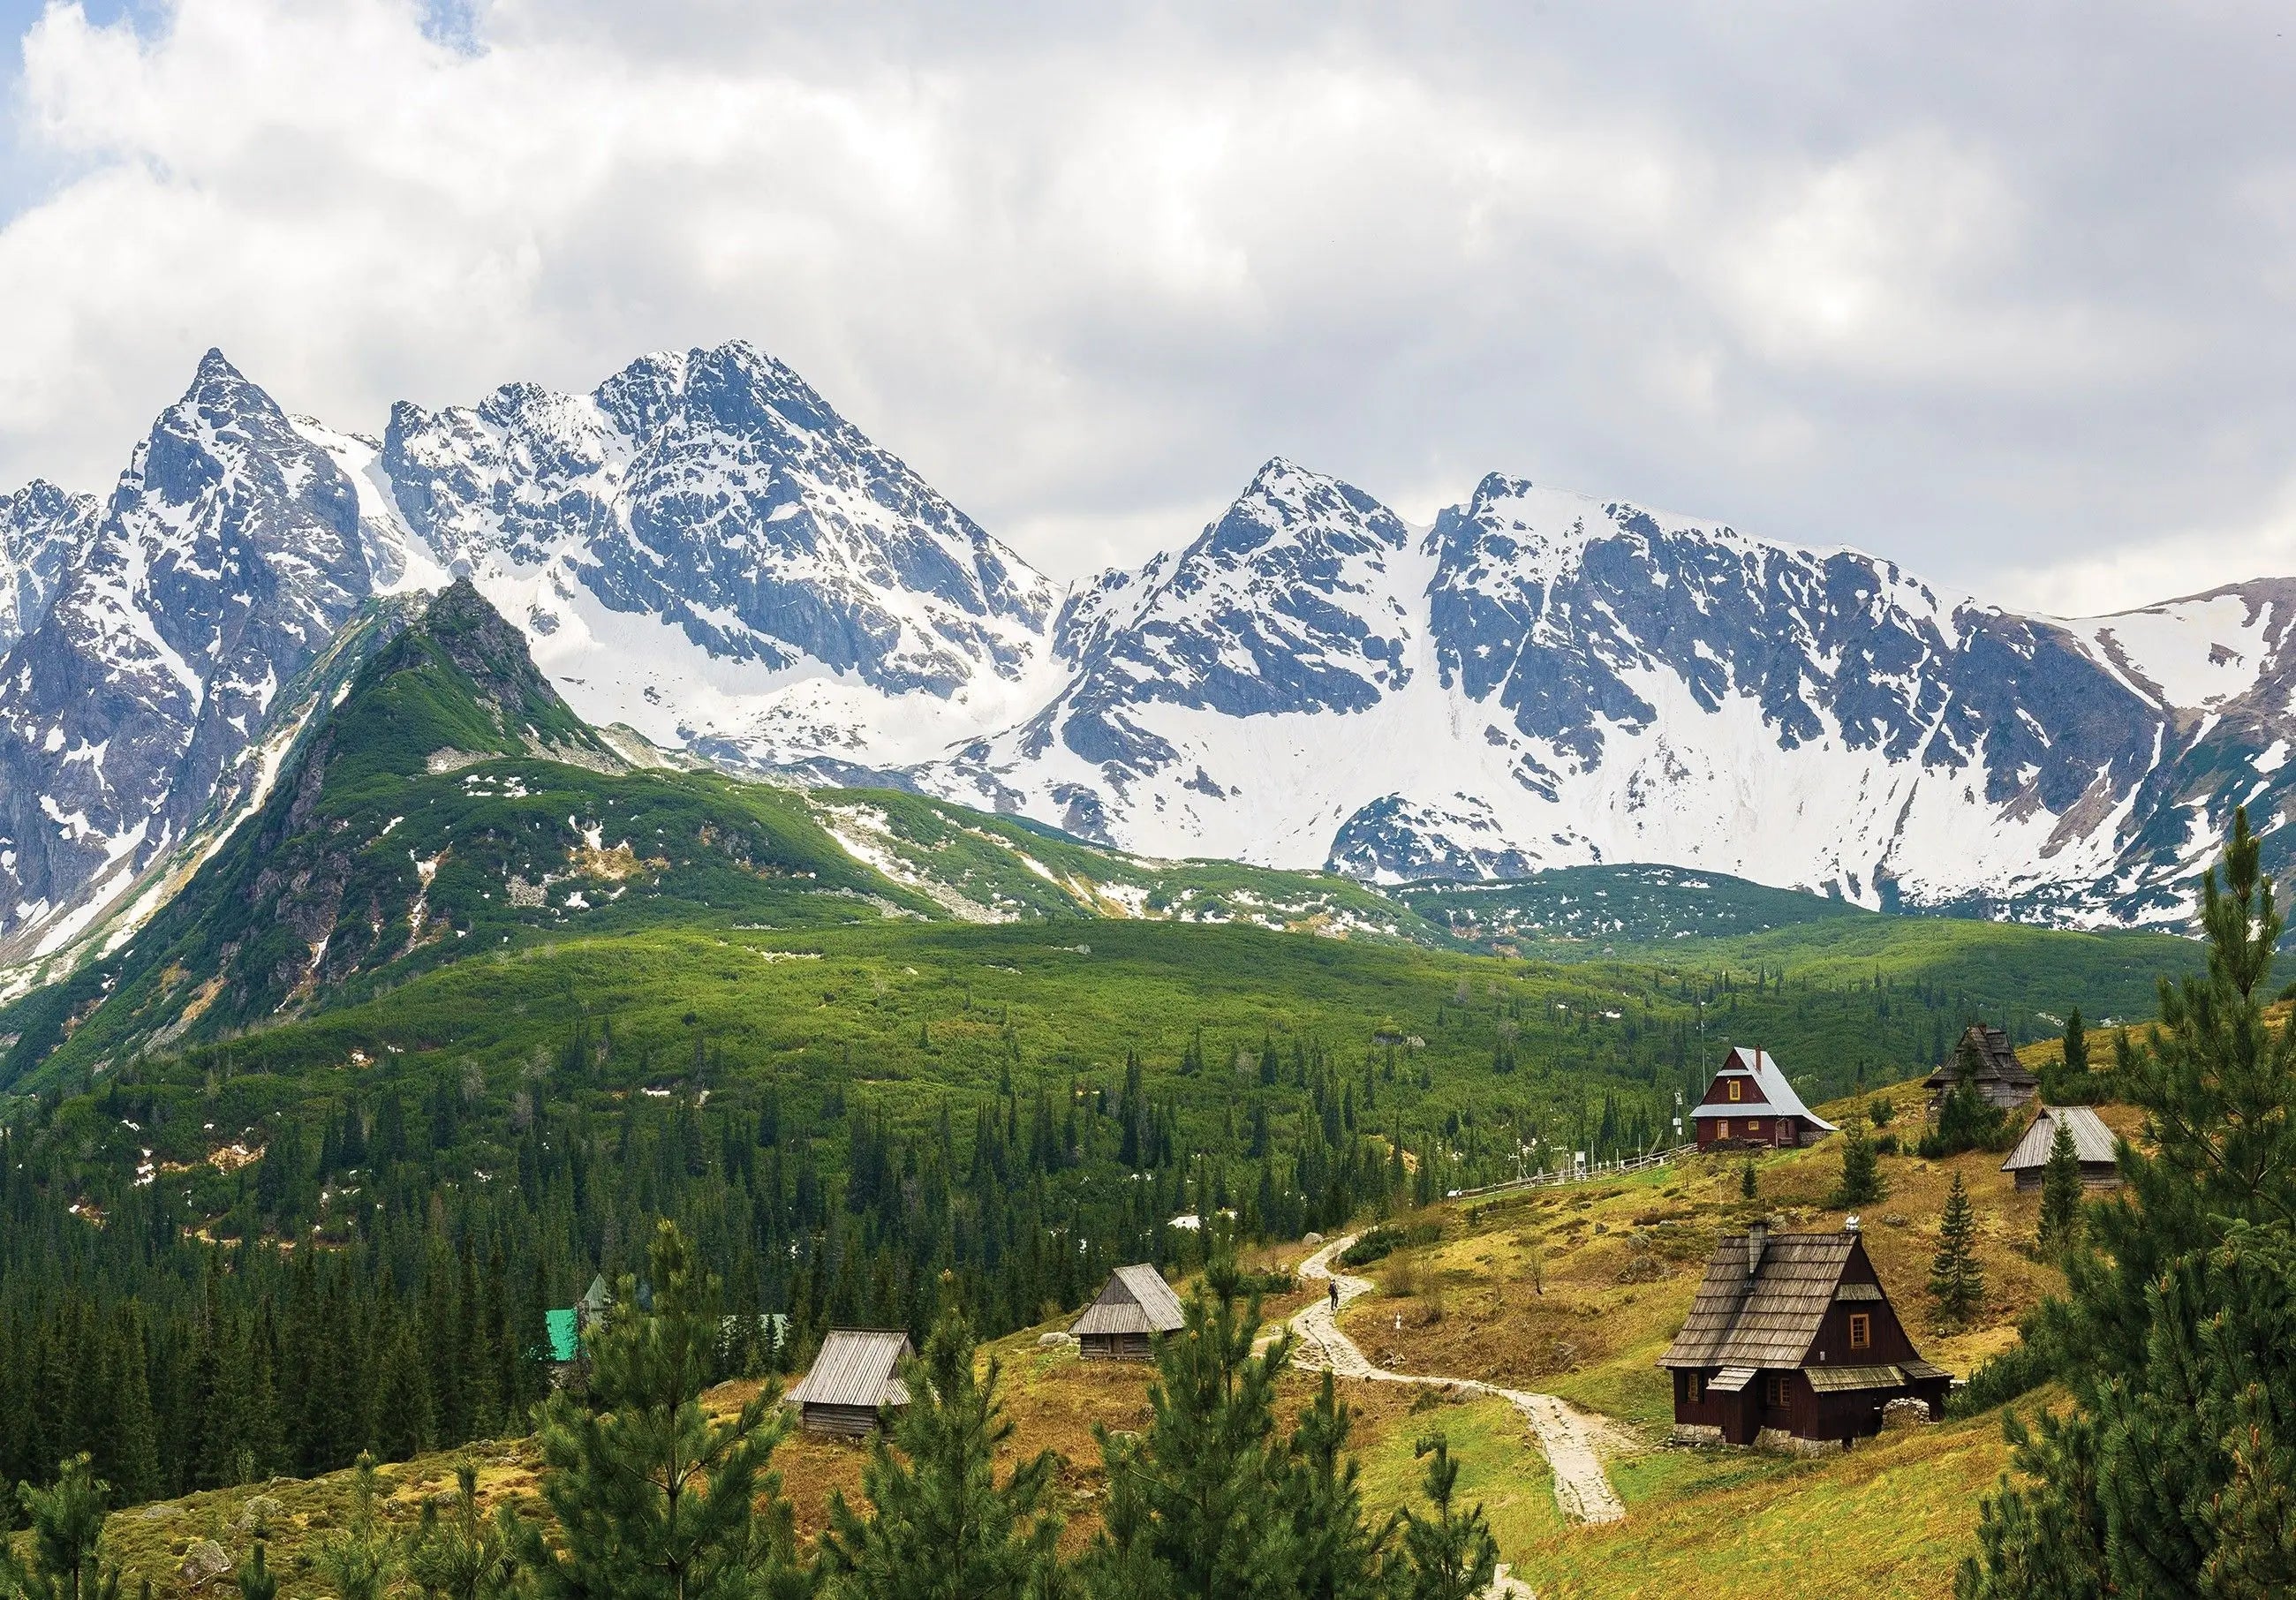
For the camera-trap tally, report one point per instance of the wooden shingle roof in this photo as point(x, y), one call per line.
point(2092, 1139)
point(855, 1367)
point(1769, 1318)
point(1135, 1300)
point(1997, 1062)
point(1767, 1091)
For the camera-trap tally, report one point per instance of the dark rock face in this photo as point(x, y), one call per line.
point(1555, 623)
point(717, 490)
point(1396, 840)
point(43, 530)
point(226, 559)
point(1283, 604)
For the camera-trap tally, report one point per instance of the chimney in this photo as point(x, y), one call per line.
point(1758, 1235)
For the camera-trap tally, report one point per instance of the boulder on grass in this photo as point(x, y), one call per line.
point(203, 1563)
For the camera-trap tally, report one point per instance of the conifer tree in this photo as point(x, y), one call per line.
point(2177, 1338)
point(654, 1500)
point(256, 1579)
point(1334, 1554)
point(355, 1562)
point(462, 1555)
point(1957, 1280)
point(1966, 1120)
point(941, 1527)
point(133, 1453)
point(1187, 1497)
point(67, 1533)
point(1748, 1186)
point(1861, 1168)
point(2061, 1192)
point(2076, 1046)
point(403, 1415)
point(1452, 1555)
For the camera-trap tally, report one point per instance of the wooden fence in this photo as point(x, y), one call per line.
point(1576, 1175)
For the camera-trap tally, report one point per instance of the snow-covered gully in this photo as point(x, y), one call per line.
point(1582, 1490)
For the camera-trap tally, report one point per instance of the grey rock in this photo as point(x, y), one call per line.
point(203, 1563)
point(43, 531)
point(226, 559)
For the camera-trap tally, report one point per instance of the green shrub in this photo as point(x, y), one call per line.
point(2022, 1368)
point(1380, 1243)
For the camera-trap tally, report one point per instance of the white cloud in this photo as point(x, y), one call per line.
point(1855, 279)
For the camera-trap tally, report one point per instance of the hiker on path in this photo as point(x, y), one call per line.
point(1334, 1288)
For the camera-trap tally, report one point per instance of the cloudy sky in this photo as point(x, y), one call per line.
point(2005, 293)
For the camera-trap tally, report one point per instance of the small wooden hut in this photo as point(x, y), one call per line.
point(1750, 1103)
point(2092, 1146)
point(853, 1382)
point(1136, 1305)
point(1985, 1058)
point(1790, 1338)
point(595, 1302)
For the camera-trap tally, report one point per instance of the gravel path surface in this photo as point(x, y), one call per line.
point(1582, 1490)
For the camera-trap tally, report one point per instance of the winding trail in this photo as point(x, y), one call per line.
point(1581, 1490)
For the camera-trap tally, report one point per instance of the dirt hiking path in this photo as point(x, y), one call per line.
point(1581, 1490)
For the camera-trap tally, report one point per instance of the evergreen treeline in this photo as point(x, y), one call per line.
point(367, 1288)
point(649, 1497)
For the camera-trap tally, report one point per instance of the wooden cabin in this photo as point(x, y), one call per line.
point(1750, 1103)
point(1790, 1340)
point(592, 1308)
point(1985, 1056)
point(853, 1382)
point(1134, 1308)
point(2092, 1146)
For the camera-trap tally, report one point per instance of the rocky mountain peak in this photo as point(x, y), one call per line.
point(702, 547)
point(43, 530)
point(227, 560)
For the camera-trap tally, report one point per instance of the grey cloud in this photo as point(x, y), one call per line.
point(2001, 292)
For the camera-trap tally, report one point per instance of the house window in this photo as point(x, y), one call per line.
point(1697, 1388)
point(1722, 1128)
point(1754, 1128)
point(1861, 1330)
point(1774, 1389)
point(1737, 1089)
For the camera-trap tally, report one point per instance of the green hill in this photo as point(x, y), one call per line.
point(473, 999)
point(1617, 907)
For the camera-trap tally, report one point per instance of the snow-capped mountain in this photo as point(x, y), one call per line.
point(227, 560)
point(42, 531)
point(702, 549)
point(1542, 679)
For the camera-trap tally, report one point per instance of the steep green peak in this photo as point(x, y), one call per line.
point(456, 685)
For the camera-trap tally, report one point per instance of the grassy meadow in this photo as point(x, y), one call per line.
point(1574, 1291)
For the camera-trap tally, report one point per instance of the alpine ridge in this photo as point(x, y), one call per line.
point(701, 550)
point(227, 561)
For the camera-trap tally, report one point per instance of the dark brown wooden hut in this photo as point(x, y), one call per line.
point(1790, 1338)
point(1121, 1325)
point(2092, 1147)
point(1985, 1057)
point(853, 1382)
point(1750, 1103)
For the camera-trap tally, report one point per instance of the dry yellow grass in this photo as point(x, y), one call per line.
point(1578, 1291)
